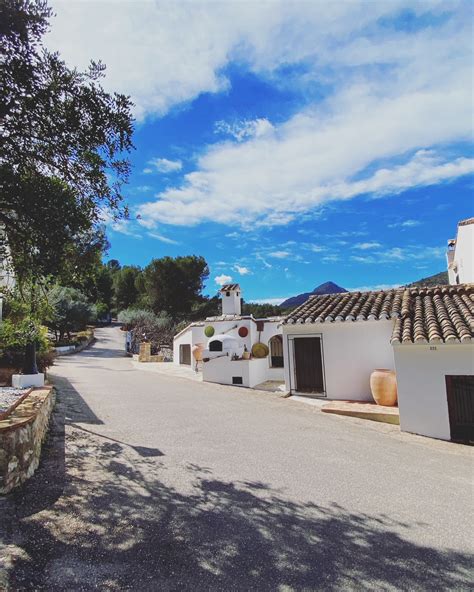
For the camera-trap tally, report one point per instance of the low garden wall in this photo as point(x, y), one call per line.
point(73, 349)
point(21, 436)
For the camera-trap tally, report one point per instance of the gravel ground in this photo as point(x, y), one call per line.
point(9, 396)
point(151, 482)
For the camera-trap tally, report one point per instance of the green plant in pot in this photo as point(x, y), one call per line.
point(26, 335)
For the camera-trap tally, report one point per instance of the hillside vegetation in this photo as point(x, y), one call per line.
point(438, 279)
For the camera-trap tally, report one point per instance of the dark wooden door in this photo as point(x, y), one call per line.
point(185, 354)
point(308, 365)
point(460, 391)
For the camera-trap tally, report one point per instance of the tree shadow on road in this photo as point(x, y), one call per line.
point(116, 523)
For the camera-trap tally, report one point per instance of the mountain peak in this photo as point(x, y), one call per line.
point(326, 288)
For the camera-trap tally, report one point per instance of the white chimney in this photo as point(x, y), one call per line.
point(231, 303)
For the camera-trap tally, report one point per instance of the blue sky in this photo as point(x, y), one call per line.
point(288, 143)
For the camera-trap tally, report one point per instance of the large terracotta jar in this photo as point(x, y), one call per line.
point(197, 351)
point(383, 384)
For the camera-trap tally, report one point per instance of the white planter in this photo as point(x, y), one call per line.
point(28, 380)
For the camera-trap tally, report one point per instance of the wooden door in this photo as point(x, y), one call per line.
point(308, 365)
point(185, 354)
point(460, 392)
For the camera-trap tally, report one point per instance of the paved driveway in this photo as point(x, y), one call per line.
point(152, 482)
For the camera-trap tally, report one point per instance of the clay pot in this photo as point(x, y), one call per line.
point(197, 351)
point(259, 350)
point(383, 384)
point(246, 355)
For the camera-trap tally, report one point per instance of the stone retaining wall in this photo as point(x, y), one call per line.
point(144, 354)
point(21, 436)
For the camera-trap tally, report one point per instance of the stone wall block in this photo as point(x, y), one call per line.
point(21, 438)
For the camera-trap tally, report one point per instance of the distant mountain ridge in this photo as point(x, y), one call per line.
point(326, 288)
point(438, 279)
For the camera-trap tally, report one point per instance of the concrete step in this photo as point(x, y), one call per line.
point(363, 410)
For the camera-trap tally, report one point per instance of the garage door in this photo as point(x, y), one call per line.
point(185, 354)
point(460, 391)
point(308, 365)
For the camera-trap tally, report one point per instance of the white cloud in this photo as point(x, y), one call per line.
point(367, 245)
point(390, 94)
point(162, 238)
point(333, 258)
point(279, 254)
point(396, 255)
point(122, 225)
point(223, 279)
point(241, 270)
point(165, 53)
point(241, 130)
point(264, 262)
point(163, 165)
point(371, 288)
point(315, 248)
point(405, 224)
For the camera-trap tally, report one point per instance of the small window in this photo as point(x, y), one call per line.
point(238, 294)
point(227, 293)
point(215, 345)
point(237, 380)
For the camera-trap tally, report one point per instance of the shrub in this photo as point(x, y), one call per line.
point(132, 317)
point(84, 335)
point(45, 359)
point(71, 311)
point(145, 325)
point(14, 336)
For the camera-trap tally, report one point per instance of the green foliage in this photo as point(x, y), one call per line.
point(101, 310)
point(63, 138)
point(262, 310)
point(131, 317)
point(205, 307)
point(15, 335)
point(144, 325)
point(439, 279)
point(84, 335)
point(27, 300)
point(104, 288)
point(126, 287)
point(174, 285)
point(71, 311)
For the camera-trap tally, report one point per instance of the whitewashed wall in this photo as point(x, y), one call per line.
point(464, 254)
point(195, 334)
point(351, 351)
point(221, 370)
point(422, 396)
point(463, 257)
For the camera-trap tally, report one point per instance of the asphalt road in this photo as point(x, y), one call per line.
point(152, 482)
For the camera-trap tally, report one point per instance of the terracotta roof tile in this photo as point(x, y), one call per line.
point(348, 306)
point(421, 315)
point(466, 222)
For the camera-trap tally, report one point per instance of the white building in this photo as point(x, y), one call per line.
point(227, 340)
point(7, 277)
point(332, 343)
point(460, 254)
